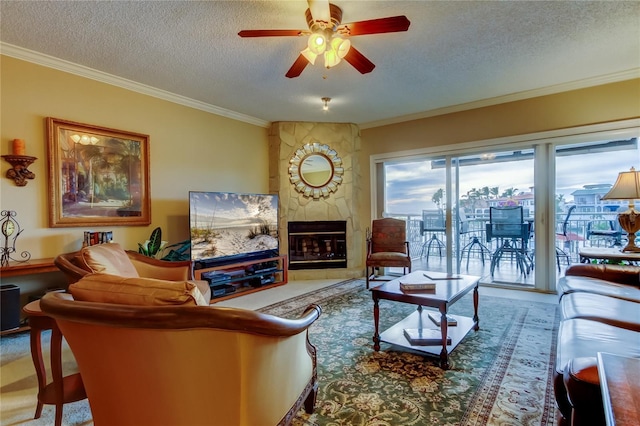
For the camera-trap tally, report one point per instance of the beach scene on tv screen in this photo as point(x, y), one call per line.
point(230, 224)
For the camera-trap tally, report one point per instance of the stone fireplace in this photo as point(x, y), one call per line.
point(317, 244)
point(343, 205)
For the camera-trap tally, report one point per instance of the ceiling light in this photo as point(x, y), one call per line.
point(331, 58)
point(317, 43)
point(341, 46)
point(309, 55)
point(325, 104)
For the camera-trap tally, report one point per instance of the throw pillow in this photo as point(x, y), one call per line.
point(105, 288)
point(108, 259)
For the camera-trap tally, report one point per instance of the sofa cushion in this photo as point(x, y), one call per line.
point(585, 338)
point(609, 310)
point(108, 259)
point(571, 284)
point(105, 288)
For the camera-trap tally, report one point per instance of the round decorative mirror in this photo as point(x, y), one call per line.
point(315, 170)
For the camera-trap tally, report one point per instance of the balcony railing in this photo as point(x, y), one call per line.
point(579, 232)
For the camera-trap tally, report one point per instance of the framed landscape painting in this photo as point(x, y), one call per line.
point(97, 176)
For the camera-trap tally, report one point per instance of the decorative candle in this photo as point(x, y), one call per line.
point(18, 147)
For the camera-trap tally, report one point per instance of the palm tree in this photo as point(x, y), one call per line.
point(437, 197)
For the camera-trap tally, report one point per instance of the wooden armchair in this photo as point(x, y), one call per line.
point(112, 259)
point(387, 246)
point(188, 365)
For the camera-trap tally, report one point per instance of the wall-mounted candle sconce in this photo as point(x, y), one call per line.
point(20, 162)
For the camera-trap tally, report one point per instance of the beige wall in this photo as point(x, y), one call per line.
point(600, 104)
point(189, 150)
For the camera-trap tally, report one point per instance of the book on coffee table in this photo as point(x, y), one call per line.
point(417, 287)
point(442, 276)
point(435, 317)
point(424, 336)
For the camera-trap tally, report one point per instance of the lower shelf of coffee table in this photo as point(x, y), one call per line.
point(395, 334)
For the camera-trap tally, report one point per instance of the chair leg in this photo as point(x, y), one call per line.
point(366, 272)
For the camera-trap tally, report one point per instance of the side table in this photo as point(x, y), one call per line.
point(609, 253)
point(61, 390)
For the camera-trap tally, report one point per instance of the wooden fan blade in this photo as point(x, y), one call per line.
point(392, 24)
point(272, 33)
point(359, 61)
point(297, 67)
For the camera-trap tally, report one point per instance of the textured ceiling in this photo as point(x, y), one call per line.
point(454, 52)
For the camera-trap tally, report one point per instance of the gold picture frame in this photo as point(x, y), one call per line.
point(97, 176)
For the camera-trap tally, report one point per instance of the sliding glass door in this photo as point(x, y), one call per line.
point(556, 182)
point(449, 232)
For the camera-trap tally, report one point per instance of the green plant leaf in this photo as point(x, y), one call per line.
point(155, 242)
point(142, 248)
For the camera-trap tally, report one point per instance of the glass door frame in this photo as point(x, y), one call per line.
point(544, 144)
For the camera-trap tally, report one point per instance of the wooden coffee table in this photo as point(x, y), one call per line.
point(447, 292)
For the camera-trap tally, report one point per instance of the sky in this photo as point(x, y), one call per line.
point(411, 186)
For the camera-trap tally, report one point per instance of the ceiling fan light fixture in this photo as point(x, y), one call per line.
point(325, 104)
point(341, 46)
point(309, 55)
point(331, 58)
point(317, 43)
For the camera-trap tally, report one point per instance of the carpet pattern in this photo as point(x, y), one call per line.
point(500, 375)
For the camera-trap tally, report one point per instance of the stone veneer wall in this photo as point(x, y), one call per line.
point(284, 139)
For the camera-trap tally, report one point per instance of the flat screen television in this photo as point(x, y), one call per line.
point(227, 227)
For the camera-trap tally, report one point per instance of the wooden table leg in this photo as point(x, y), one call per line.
point(38, 325)
point(476, 320)
point(376, 319)
point(444, 330)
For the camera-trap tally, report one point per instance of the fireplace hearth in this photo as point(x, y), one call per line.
point(317, 244)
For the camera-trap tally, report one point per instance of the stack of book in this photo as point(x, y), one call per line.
point(424, 336)
point(436, 318)
point(409, 284)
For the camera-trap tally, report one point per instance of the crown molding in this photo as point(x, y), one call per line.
point(549, 90)
point(90, 73)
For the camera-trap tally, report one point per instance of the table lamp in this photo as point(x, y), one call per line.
point(627, 187)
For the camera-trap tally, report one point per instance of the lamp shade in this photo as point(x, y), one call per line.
point(317, 43)
point(627, 187)
point(341, 46)
point(309, 55)
point(331, 58)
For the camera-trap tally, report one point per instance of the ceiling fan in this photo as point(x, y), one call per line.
point(326, 37)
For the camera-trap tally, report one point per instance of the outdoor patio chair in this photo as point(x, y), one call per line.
point(507, 225)
point(433, 223)
point(608, 231)
point(475, 235)
point(567, 238)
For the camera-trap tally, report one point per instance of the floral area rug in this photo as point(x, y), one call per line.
point(499, 375)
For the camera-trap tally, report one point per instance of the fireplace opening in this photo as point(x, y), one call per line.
point(317, 244)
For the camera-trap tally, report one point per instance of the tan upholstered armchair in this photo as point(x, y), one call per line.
point(387, 246)
point(112, 259)
point(188, 365)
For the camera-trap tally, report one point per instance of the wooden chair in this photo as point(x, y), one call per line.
point(188, 365)
point(387, 246)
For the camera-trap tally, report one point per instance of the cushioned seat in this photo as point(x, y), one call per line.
point(112, 259)
point(580, 338)
point(571, 284)
point(609, 310)
point(188, 365)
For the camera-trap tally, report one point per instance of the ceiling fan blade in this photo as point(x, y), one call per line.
point(375, 26)
point(272, 33)
point(359, 61)
point(320, 10)
point(297, 67)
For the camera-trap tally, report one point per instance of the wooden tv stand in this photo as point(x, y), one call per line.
point(243, 280)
